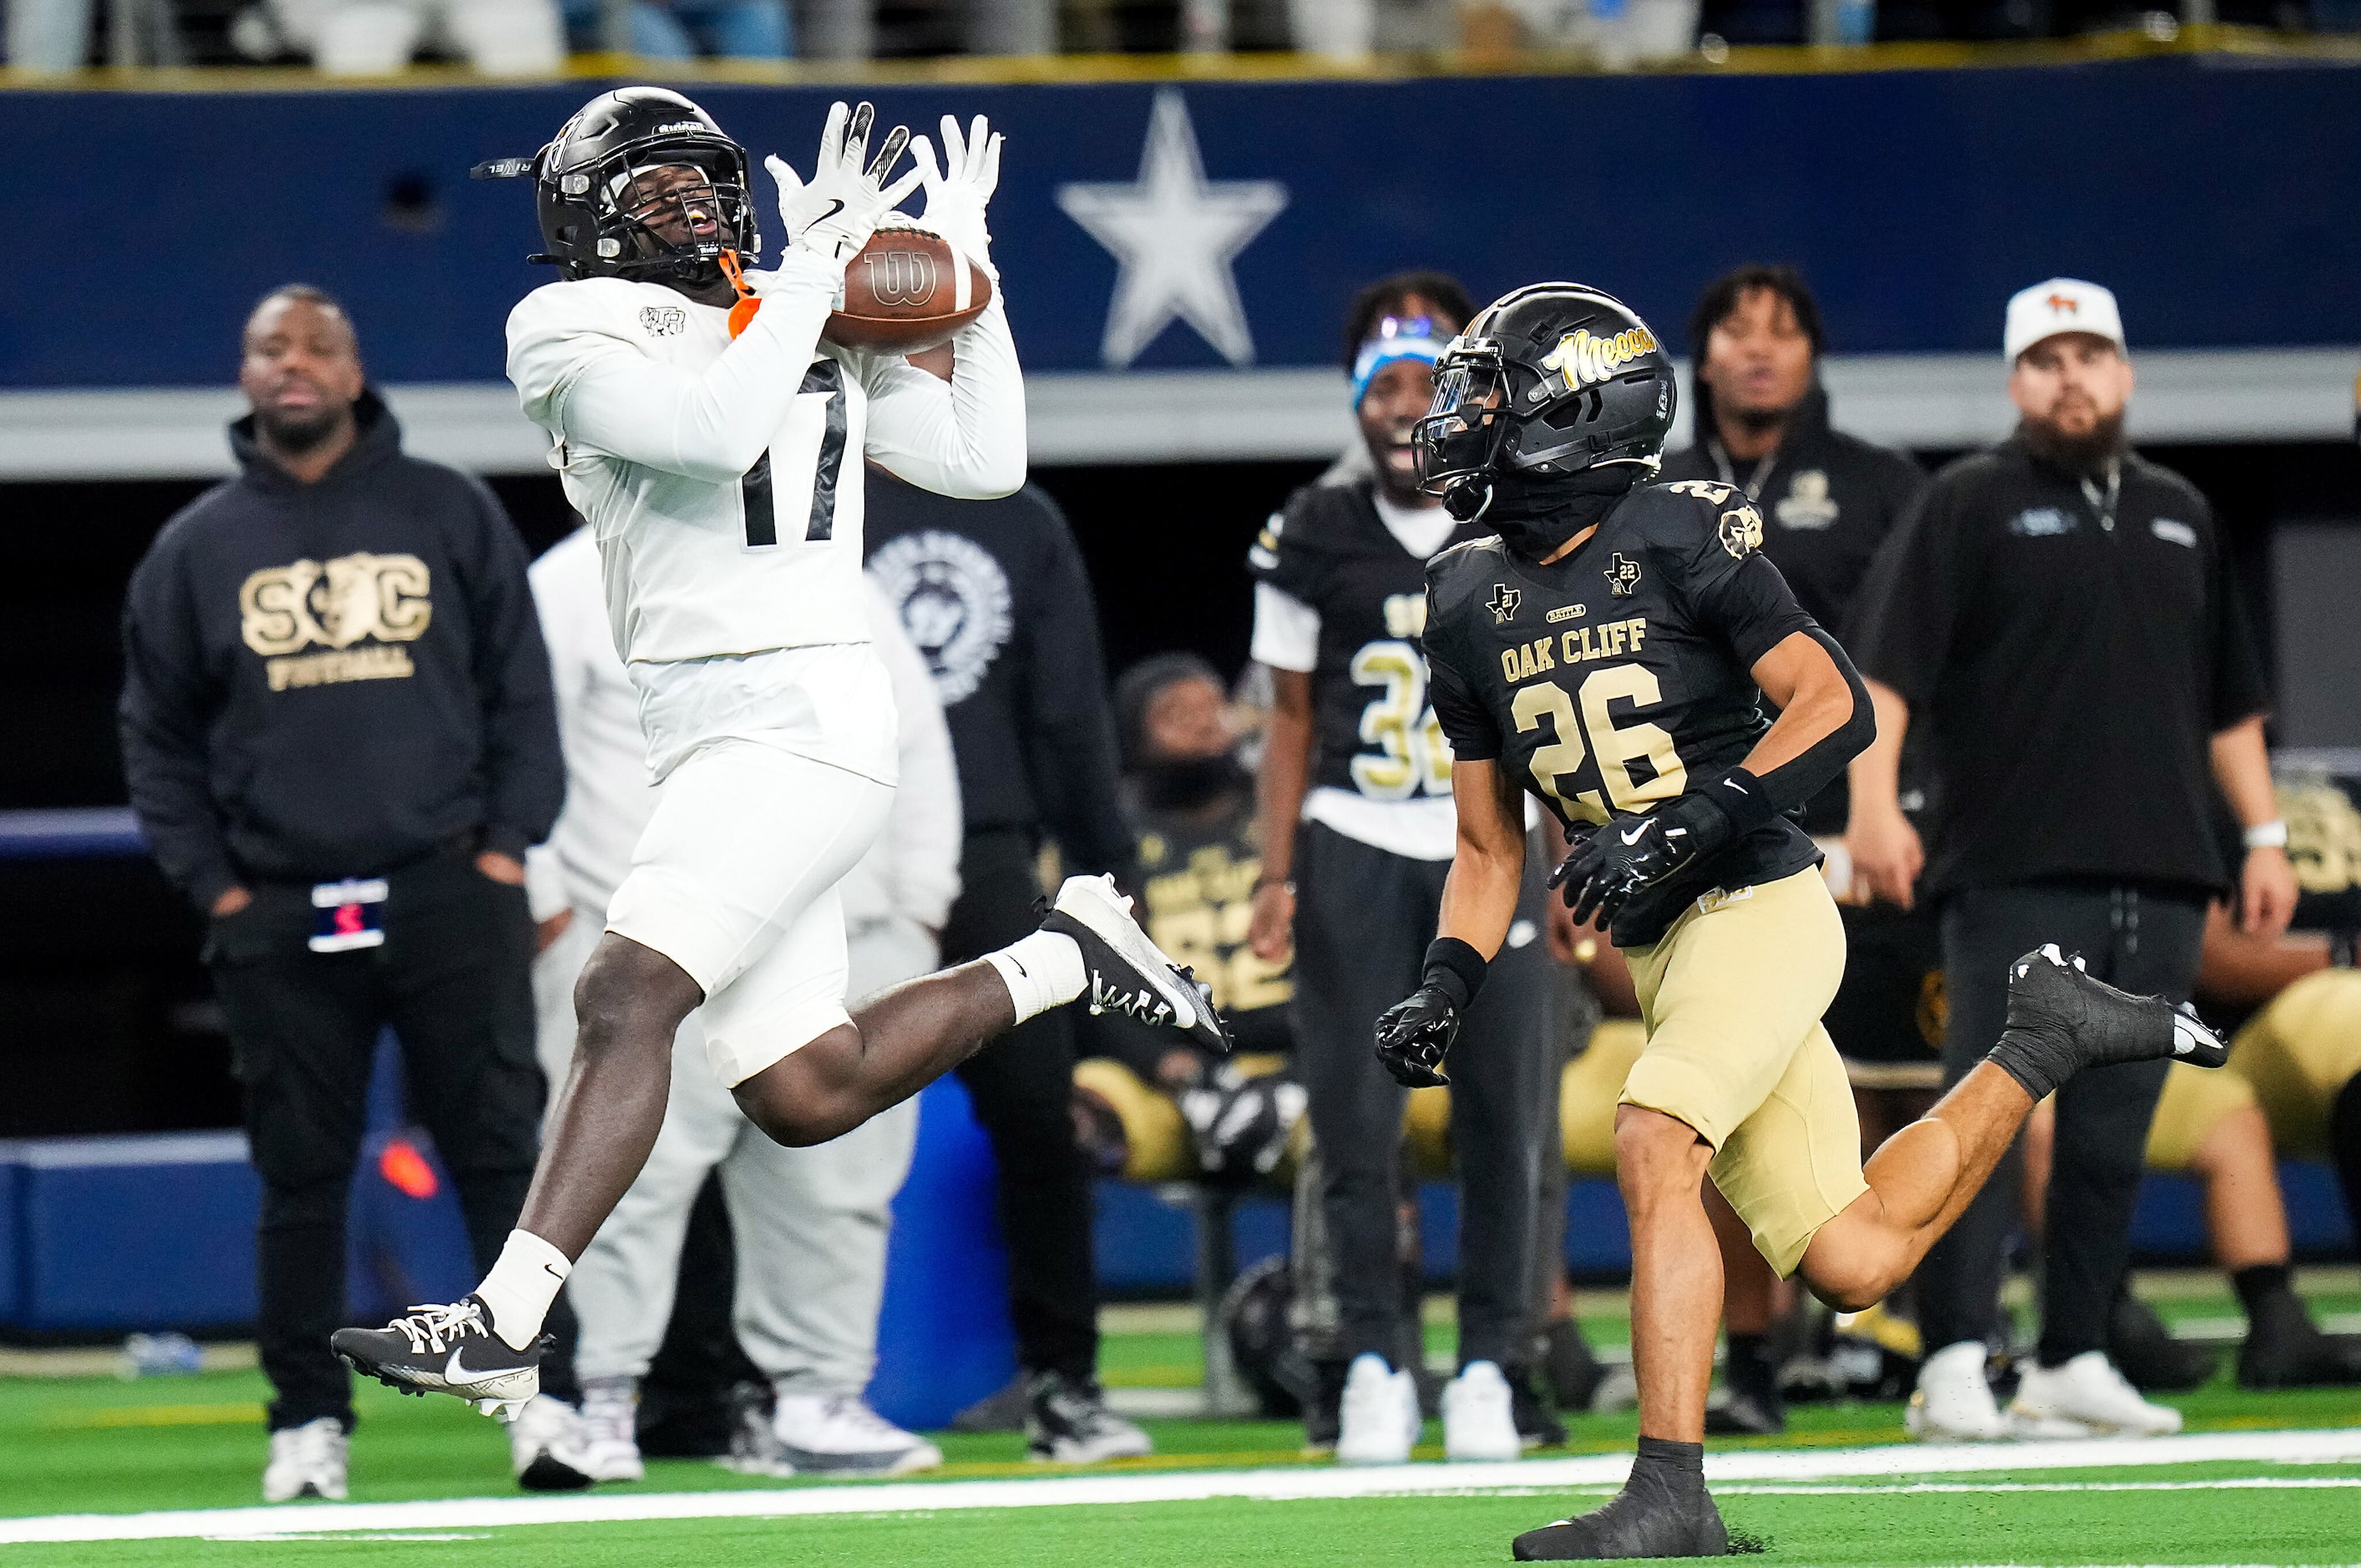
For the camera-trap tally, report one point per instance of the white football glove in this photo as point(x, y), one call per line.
point(834, 214)
point(956, 199)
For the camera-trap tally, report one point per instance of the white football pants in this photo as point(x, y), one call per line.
point(810, 1223)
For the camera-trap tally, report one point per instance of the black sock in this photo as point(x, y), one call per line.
point(1748, 1369)
point(2038, 1062)
point(2264, 1282)
point(1678, 1467)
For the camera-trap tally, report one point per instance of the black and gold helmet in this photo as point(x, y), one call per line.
point(1549, 382)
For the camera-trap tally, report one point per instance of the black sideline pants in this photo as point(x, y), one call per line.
point(453, 980)
point(2140, 939)
point(1363, 920)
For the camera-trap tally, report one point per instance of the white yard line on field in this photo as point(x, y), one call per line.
point(1293, 1482)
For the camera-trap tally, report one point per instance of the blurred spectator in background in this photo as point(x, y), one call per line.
point(2056, 613)
point(1191, 805)
point(372, 38)
point(683, 29)
point(339, 739)
point(995, 595)
point(1828, 501)
point(809, 1224)
point(1355, 810)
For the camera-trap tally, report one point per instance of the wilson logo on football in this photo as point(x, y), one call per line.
point(901, 277)
point(1581, 360)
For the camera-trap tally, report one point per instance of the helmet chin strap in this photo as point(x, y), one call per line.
point(1469, 498)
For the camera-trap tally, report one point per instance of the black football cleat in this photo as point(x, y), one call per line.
point(1639, 1521)
point(2285, 1349)
point(446, 1350)
point(2050, 997)
point(2144, 1351)
point(1745, 1413)
point(1129, 975)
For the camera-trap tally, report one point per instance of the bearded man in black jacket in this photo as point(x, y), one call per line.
point(339, 737)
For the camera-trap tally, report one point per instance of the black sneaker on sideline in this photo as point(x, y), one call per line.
point(1069, 1423)
point(2145, 1351)
point(1537, 1425)
point(446, 1350)
point(2285, 1349)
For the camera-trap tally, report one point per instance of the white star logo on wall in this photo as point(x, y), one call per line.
point(1175, 234)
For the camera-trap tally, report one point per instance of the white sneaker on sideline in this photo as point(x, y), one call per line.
point(1378, 1420)
point(547, 1447)
point(307, 1461)
point(839, 1434)
point(1953, 1403)
point(611, 1430)
point(1480, 1419)
point(2085, 1398)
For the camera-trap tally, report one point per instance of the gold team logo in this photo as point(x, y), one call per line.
point(1580, 359)
point(358, 609)
point(1742, 532)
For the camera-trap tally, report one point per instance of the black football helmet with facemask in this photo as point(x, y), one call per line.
point(1549, 407)
point(640, 183)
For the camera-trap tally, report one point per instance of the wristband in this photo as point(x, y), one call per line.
point(2271, 835)
point(1742, 799)
point(1456, 969)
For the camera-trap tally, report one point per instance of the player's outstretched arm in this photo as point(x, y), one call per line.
point(1479, 899)
point(965, 439)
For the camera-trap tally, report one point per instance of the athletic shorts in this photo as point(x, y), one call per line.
point(2299, 1052)
point(2194, 1099)
point(1732, 996)
point(734, 880)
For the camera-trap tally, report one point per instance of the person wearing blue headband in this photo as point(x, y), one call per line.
point(1355, 811)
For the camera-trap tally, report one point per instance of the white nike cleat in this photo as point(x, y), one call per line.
point(1379, 1419)
point(547, 1446)
point(2085, 1398)
point(1130, 974)
point(840, 1435)
point(610, 1416)
point(1480, 1418)
point(1953, 1402)
point(446, 1350)
point(307, 1461)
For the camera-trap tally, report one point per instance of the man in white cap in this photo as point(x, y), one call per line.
point(2056, 613)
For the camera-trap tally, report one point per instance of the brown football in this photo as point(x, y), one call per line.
point(903, 293)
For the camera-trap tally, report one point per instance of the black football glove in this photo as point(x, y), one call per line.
point(1414, 1035)
point(1632, 852)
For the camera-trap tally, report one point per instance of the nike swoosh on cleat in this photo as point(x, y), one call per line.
point(455, 1371)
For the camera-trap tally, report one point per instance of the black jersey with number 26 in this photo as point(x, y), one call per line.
point(1607, 680)
point(1375, 732)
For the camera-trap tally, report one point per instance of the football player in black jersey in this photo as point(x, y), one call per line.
point(1357, 833)
point(1610, 652)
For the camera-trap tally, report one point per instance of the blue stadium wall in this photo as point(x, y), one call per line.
point(2217, 195)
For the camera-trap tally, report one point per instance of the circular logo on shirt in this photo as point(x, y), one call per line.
point(954, 602)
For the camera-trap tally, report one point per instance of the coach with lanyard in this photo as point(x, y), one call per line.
point(2057, 613)
point(1357, 830)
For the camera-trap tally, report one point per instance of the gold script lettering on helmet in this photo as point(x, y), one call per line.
point(1580, 359)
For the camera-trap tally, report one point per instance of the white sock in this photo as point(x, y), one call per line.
point(521, 1287)
point(1042, 971)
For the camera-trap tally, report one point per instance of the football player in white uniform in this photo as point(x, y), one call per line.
point(714, 440)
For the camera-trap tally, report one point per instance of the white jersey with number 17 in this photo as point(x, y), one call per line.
point(723, 479)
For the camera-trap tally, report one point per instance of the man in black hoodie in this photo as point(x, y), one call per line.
point(339, 737)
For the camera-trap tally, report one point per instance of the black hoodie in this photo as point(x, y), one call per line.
point(335, 679)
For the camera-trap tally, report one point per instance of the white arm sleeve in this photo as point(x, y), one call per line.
point(965, 439)
point(597, 390)
point(922, 835)
point(1286, 630)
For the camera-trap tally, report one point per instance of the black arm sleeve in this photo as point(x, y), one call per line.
point(1068, 726)
point(524, 771)
point(168, 705)
point(1798, 779)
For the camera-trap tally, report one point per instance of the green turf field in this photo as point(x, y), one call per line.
point(1839, 1490)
